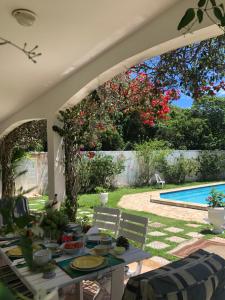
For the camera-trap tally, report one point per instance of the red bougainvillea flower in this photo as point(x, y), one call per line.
point(90, 154)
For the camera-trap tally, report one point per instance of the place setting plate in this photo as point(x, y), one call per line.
point(88, 263)
point(15, 252)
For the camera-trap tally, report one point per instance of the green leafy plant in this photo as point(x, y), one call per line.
point(151, 157)
point(54, 223)
point(84, 222)
point(204, 8)
point(100, 172)
point(179, 169)
point(216, 199)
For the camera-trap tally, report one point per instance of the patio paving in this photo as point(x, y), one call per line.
point(141, 202)
point(215, 245)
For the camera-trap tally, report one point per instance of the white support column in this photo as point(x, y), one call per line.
point(56, 178)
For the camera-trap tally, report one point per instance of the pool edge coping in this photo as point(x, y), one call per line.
point(155, 197)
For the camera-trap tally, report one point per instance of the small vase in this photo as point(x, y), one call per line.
point(49, 275)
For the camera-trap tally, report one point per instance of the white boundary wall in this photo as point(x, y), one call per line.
point(37, 169)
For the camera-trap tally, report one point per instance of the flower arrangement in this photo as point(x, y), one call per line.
point(216, 199)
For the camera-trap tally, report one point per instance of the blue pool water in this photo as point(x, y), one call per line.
point(194, 195)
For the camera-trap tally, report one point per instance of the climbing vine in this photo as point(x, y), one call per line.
point(12, 147)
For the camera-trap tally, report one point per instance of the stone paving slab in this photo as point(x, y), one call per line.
point(174, 229)
point(156, 233)
point(161, 260)
point(195, 234)
point(193, 225)
point(175, 239)
point(156, 225)
point(157, 245)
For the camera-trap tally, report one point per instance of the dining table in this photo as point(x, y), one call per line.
point(64, 277)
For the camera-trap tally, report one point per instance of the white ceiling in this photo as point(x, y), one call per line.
point(69, 33)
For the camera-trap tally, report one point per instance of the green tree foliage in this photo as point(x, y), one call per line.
point(201, 127)
point(212, 165)
point(151, 157)
point(197, 69)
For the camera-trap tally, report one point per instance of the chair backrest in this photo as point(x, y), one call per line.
point(158, 178)
point(22, 207)
point(134, 228)
point(106, 218)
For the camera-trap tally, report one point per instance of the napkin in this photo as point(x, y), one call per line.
point(93, 230)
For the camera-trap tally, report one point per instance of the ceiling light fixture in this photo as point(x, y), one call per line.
point(24, 17)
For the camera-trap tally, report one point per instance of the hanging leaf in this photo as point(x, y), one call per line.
point(200, 15)
point(213, 2)
point(222, 6)
point(187, 18)
point(218, 14)
point(223, 21)
point(201, 3)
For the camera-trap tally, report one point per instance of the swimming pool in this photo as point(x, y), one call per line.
point(194, 195)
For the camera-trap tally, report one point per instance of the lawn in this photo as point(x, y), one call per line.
point(88, 201)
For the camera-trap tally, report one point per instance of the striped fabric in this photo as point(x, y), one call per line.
point(200, 276)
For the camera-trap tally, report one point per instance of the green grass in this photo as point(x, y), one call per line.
point(37, 203)
point(88, 201)
point(91, 200)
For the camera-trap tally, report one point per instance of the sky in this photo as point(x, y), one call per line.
point(186, 101)
point(183, 102)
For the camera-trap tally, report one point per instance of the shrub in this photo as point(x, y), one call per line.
point(99, 171)
point(151, 157)
point(178, 171)
point(211, 165)
point(215, 199)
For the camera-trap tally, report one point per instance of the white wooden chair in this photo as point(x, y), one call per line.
point(134, 228)
point(159, 180)
point(107, 219)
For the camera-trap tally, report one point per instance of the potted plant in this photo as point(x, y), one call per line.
point(103, 195)
point(216, 211)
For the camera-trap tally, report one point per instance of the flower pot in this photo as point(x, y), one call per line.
point(104, 198)
point(216, 217)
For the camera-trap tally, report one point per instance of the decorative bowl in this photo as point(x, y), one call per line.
point(101, 250)
point(73, 248)
point(42, 257)
point(119, 250)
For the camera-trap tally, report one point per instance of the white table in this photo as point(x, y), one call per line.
point(35, 282)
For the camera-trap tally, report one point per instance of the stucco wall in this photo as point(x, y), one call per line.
point(36, 165)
